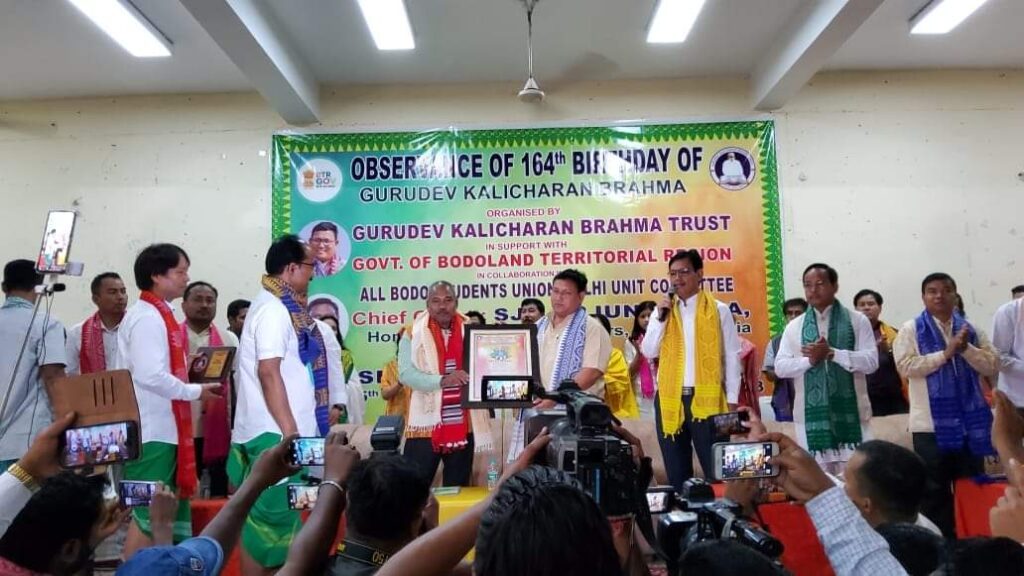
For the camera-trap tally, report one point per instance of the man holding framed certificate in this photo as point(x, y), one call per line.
point(431, 362)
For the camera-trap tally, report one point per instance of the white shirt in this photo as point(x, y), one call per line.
point(143, 351)
point(1008, 338)
point(651, 346)
point(13, 497)
point(268, 334)
point(74, 348)
point(861, 361)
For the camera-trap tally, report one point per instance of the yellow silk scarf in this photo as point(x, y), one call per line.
point(709, 398)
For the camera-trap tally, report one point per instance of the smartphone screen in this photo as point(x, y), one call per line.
point(134, 493)
point(302, 496)
point(734, 461)
point(729, 423)
point(307, 452)
point(53, 254)
point(510, 390)
point(100, 444)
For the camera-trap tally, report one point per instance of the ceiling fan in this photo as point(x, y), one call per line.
point(531, 92)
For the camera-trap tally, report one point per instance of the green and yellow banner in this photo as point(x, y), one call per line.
point(499, 212)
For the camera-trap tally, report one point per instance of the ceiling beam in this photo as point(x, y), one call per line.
point(805, 45)
point(250, 39)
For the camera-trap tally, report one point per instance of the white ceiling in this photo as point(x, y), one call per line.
point(485, 40)
point(991, 38)
point(48, 49)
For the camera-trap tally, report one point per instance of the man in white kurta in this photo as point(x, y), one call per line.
point(1008, 338)
point(794, 358)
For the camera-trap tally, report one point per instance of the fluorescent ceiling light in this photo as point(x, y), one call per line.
point(127, 26)
point(941, 16)
point(673, 20)
point(388, 23)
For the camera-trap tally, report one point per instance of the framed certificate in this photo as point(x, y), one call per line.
point(503, 365)
point(211, 364)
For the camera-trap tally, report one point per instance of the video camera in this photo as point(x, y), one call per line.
point(584, 445)
point(697, 516)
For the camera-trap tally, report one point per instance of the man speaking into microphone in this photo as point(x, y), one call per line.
point(693, 336)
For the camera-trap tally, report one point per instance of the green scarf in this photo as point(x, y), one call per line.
point(831, 416)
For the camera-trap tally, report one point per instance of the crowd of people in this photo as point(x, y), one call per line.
point(832, 369)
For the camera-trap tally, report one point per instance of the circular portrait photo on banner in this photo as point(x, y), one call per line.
point(331, 247)
point(330, 310)
point(318, 179)
point(733, 168)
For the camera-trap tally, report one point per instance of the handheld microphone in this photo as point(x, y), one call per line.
point(663, 312)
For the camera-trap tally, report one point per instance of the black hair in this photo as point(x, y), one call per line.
point(385, 495)
point(200, 284)
point(867, 292)
point(988, 557)
point(327, 301)
point(919, 550)
point(478, 315)
point(1017, 290)
point(21, 275)
point(542, 523)
point(156, 260)
point(692, 255)
point(833, 276)
point(65, 508)
point(794, 302)
point(604, 322)
point(286, 250)
point(528, 301)
point(325, 226)
point(236, 307)
point(937, 277)
point(894, 478)
point(640, 309)
point(336, 328)
point(728, 558)
point(572, 275)
point(97, 282)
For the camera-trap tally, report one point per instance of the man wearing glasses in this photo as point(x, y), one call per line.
point(283, 390)
point(693, 335)
point(324, 240)
point(828, 351)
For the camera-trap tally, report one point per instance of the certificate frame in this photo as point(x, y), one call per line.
point(496, 355)
point(211, 364)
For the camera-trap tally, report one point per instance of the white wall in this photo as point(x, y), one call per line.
point(885, 176)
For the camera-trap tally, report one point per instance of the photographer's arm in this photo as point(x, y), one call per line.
point(312, 544)
point(41, 461)
point(438, 552)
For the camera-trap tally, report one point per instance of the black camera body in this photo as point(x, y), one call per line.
point(697, 516)
point(386, 436)
point(583, 444)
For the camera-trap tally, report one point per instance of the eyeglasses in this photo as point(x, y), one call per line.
point(683, 272)
point(310, 264)
point(323, 241)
